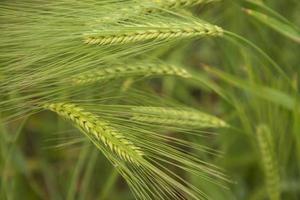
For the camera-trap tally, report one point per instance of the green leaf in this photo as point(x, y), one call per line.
point(274, 21)
point(270, 94)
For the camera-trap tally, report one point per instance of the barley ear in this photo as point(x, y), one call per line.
point(175, 116)
point(98, 130)
point(163, 32)
point(170, 4)
point(270, 166)
point(129, 70)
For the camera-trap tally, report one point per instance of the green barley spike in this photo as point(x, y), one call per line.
point(169, 4)
point(266, 146)
point(98, 130)
point(129, 70)
point(171, 116)
point(150, 32)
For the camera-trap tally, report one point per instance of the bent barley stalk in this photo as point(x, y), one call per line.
point(266, 147)
point(129, 70)
point(164, 32)
point(99, 130)
point(171, 116)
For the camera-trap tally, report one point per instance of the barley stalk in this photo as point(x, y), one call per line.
point(270, 165)
point(98, 130)
point(129, 70)
point(165, 32)
point(171, 116)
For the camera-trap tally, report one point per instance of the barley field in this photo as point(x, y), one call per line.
point(149, 100)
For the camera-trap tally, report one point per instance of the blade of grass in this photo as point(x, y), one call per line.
point(277, 25)
point(85, 152)
point(109, 184)
point(86, 180)
point(266, 93)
